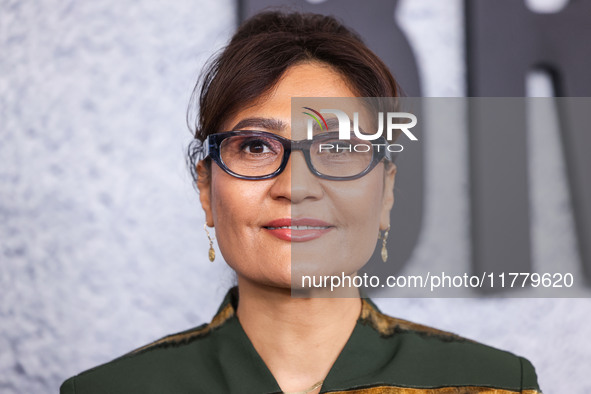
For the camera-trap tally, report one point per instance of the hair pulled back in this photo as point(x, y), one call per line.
point(264, 47)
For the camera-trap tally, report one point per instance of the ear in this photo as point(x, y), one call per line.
point(388, 198)
point(204, 186)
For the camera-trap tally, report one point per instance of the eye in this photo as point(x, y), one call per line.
point(338, 147)
point(256, 146)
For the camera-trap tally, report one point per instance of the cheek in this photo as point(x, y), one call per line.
point(233, 200)
point(357, 207)
point(360, 202)
point(366, 212)
point(238, 208)
point(232, 213)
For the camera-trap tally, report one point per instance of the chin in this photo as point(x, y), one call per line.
point(282, 280)
point(272, 277)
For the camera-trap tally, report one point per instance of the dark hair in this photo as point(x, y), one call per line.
point(263, 48)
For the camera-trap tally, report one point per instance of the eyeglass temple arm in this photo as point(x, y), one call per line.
point(205, 148)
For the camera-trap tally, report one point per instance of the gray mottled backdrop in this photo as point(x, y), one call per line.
point(102, 247)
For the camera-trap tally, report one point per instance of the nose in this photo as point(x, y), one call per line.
point(296, 183)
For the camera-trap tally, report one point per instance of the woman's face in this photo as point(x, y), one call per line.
point(345, 216)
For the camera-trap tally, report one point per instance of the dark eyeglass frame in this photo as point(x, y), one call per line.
point(213, 143)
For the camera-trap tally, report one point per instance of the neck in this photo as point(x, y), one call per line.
point(299, 339)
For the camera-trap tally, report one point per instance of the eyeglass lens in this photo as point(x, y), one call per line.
point(252, 155)
point(340, 158)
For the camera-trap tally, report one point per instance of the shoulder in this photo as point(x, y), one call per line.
point(428, 356)
point(173, 361)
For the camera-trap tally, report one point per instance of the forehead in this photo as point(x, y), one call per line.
point(312, 79)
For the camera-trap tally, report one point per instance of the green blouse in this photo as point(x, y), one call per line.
point(383, 355)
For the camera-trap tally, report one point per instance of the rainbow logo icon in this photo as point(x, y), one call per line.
point(325, 127)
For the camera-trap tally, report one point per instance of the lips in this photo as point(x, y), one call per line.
point(298, 230)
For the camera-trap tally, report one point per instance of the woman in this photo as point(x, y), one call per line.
point(273, 201)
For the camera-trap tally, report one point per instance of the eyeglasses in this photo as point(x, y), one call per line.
point(254, 155)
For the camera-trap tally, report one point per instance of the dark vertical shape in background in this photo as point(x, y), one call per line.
point(499, 186)
point(374, 21)
point(575, 122)
point(505, 40)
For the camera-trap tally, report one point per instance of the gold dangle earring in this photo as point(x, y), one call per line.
point(384, 239)
point(211, 251)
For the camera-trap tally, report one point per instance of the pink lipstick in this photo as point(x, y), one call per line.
point(298, 230)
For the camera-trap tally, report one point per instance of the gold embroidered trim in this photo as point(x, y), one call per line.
point(384, 324)
point(442, 390)
point(387, 325)
point(219, 319)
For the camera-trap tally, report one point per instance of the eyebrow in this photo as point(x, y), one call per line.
point(332, 123)
point(274, 124)
point(260, 123)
